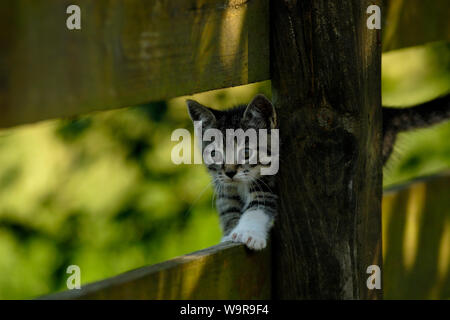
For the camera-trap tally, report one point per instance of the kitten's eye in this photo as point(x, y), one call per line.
point(217, 156)
point(247, 153)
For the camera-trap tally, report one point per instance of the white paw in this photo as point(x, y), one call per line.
point(253, 239)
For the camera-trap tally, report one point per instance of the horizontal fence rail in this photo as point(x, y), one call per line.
point(130, 52)
point(127, 52)
point(411, 23)
point(416, 239)
point(416, 230)
point(224, 271)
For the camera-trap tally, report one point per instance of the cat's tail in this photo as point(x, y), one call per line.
point(420, 116)
point(423, 115)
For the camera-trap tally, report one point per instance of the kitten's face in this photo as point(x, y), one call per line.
point(259, 114)
point(238, 172)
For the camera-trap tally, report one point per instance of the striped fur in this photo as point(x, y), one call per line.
point(246, 202)
point(396, 120)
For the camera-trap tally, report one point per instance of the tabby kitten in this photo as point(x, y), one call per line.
point(246, 203)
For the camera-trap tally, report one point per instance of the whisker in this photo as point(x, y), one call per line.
point(197, 199)
point(260, 180)
point(217, 190)
point(254, 180)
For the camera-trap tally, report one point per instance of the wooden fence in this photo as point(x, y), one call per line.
point(132, 52)
point(322, 60)
point(416, 215)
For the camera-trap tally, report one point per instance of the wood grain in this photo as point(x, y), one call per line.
point(127, 52)
point(224, 271)
point(410, 23)
point(416, 239)
point(130, 52)
point(326, 86)
point(416, 231)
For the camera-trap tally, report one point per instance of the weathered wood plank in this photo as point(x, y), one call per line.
point(410, 23)
point(416, 239)
point(224, 271)
point(129, 52)
point(326, 86)
point(126, 53)
point(416, 242)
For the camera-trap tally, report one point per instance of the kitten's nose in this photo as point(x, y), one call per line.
point(230, 174)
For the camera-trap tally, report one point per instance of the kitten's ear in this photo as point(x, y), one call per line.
point(261, 113)
point(199, 112)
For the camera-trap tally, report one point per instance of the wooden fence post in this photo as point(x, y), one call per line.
point(326, 82)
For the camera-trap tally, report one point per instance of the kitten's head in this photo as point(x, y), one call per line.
point(258, 114)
